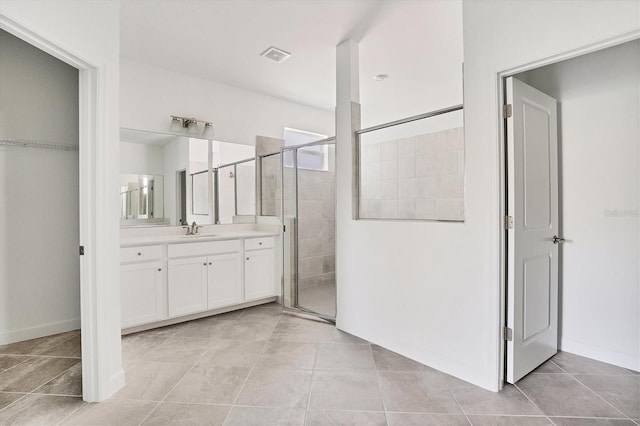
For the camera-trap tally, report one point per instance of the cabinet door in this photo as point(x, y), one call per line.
point(225, 280)
point(187, 285)
point(259, 274)
point(141, 293)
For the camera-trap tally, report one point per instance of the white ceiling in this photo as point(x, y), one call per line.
point(418, 43)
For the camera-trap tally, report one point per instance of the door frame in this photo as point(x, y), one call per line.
point(501, 77)
point(95, 192)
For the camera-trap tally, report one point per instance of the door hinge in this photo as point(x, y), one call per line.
point(508, 222)
point(507, 334)
point(507, 110)
point(81, 250)
point(284, 228)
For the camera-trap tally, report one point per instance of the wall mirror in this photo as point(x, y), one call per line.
point(142, 199)
point(169, 180)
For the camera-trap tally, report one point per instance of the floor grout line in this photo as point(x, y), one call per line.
point(598, 395)
point(59, 375)
point(561, 369)
point(39, 386)
point(315, 359)
point(266, 344)
point(24, 395)
point(384, 404)
point(590, 418)
point(530, 400)
point(34, 391)
point(38, 356)
point(72, 413)
point(454, 397)
point(14, 366)
point(174, 335)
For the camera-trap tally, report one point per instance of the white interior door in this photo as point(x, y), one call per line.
point(532, 288)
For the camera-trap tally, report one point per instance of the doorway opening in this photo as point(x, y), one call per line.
point(100, 378)
point(582, 296)
point(39, 187)
point(181, 196)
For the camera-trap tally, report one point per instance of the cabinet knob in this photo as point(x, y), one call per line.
point(159, 269)
point(260, 243)
point(210, 263)
point(247, 258)
point(205, 263)
point(139, 254)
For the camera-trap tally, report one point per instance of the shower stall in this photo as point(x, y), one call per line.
point(298, 185)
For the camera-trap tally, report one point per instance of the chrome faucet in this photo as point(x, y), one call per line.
point(193, 229)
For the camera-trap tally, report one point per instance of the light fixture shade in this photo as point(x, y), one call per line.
point(176, 125)
point(208, 131)
point(192, 127)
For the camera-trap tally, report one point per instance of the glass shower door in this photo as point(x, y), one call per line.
point(308, 207)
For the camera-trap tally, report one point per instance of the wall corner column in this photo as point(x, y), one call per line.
point(347, 122)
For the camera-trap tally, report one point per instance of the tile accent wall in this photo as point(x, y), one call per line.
point(420, 177)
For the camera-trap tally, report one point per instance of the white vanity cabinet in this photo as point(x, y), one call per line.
point(187, 285)
point(177, 280)
point(259, 268)
point(210, 277)
point(224, 280)
point(142, 289)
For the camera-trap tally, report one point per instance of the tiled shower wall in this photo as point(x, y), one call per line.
point(316, 216)
point(316, 228)
point(420, 177)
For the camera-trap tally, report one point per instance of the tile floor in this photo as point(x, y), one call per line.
point(260, 367)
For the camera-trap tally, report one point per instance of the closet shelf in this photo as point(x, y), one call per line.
point(37, 144)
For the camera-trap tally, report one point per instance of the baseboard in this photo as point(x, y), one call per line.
point(600, 354)
point(116, 383)
point(39, 331)
point(190, 317)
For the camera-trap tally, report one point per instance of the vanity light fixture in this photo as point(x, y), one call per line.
point(189, 126)
point(192, 127)
point(208, 130)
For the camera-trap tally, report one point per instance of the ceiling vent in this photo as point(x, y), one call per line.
point(275, 54)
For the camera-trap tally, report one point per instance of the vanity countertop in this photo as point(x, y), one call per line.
point(146, 240)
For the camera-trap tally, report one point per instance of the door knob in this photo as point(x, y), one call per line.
point(557, 240)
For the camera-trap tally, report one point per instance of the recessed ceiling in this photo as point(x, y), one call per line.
point(418, 43)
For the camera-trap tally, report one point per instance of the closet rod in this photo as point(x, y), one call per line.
point(37, 144)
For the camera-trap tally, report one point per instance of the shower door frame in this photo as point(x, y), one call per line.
point(296, 274)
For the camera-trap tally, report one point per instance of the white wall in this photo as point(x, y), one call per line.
point(149, 95)
point(141, 159)
point(90, 31)
point(535, 32)
point(431, 291)
point(38, 195)
point(600, 188)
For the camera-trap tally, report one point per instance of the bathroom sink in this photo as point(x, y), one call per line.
point(199, 236)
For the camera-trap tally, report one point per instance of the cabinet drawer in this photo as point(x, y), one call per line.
point(199, 249)
point(140, 254)
point(258, 243)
